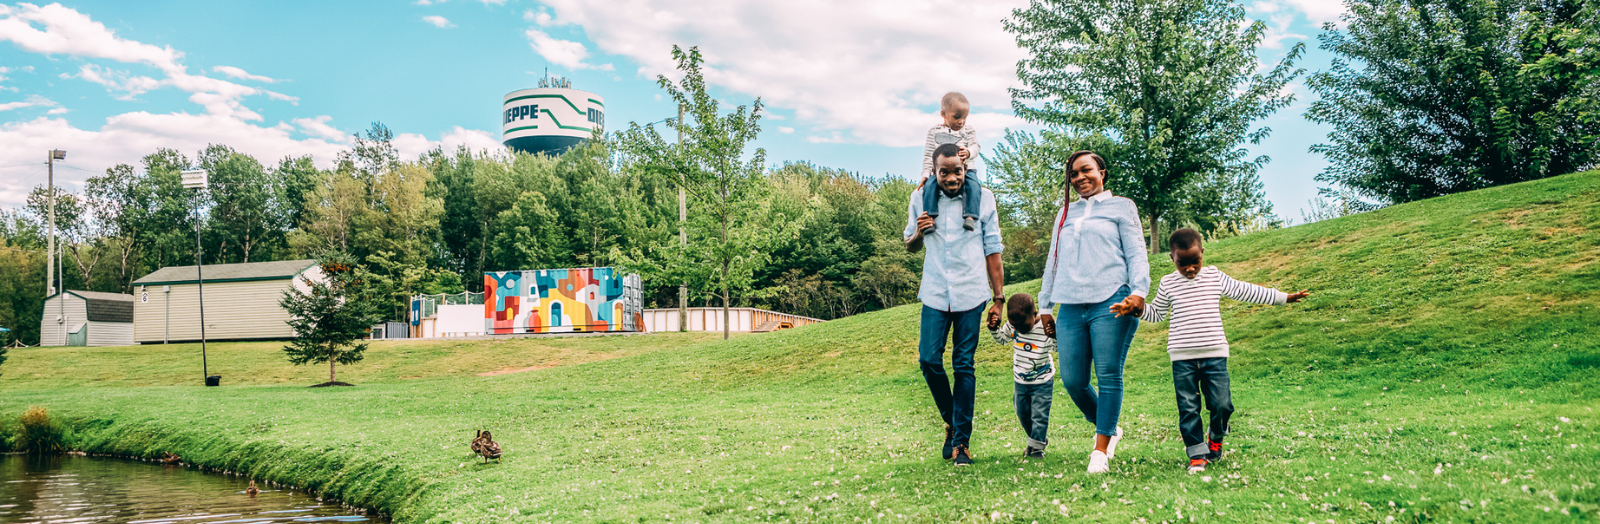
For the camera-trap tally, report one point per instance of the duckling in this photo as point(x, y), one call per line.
point(169, 458)
point(252, 490)
point(485, 445)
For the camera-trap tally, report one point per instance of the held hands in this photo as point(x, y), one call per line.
point(1049, 322)
point(994, 316)
point(1133, 305)
point(1296, 297)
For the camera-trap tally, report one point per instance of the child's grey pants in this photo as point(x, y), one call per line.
point(1033, 410)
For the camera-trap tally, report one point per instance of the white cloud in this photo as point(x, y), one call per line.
point(1319, 11)
point(1315, 11)
point(851, 71)
point(438, 21)
point(413, 145)
point(69, 32)
point(31, 101)
point(1278, 31)
point(539, 17)
point(125, 138)
point(564, 53)
point(234, 72)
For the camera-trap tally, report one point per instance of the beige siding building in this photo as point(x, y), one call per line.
point(241, 301)
point(87, 318)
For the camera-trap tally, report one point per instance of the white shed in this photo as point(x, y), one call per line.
point(87, 318)
point(241, 301)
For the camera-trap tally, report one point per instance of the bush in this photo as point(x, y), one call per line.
point(39, 434)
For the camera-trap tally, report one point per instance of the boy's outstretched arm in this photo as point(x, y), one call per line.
point(1247, 292)
point(1296, 297)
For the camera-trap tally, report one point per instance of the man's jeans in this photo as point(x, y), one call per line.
point(1195, 378)
point(1033, 411)
point(1090, 334)
point(955, 404)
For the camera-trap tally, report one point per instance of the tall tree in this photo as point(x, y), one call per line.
point(248, 212)
point(725, 184)
point(1174, 85)
point(1431, 97)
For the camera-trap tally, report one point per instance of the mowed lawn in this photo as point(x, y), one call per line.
point(1444, 369)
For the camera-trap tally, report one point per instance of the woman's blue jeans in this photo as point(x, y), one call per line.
point(1091, 335)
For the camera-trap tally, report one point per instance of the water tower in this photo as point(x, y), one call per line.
point(551, 118)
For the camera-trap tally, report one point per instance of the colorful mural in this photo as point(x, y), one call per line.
point(561, 301)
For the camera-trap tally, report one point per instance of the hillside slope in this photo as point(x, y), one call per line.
point(1443, 369)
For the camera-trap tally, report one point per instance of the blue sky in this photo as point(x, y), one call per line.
point(847, 83)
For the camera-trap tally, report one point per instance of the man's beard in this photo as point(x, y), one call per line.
point(952, 194)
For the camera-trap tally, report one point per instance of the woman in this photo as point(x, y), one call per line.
point(1096, 259)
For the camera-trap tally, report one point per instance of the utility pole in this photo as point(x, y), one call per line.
point(683, 238)
point(51, 259)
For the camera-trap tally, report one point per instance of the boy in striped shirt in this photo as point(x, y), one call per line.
point(1196, 343)
point(1032, 367)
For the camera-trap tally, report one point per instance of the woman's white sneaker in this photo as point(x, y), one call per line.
point(1099, 463)
point(1111, 447)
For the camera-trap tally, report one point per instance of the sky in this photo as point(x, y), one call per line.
point(850, 84)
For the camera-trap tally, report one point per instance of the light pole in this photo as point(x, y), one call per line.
point(51, 259)
point(197, 179)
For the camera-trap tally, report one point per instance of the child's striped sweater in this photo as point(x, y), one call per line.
point(1196, 330)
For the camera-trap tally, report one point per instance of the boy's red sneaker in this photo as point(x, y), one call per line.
point(1216, 452)
point(1197, 465)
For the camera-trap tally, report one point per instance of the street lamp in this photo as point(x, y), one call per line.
point(198, 179)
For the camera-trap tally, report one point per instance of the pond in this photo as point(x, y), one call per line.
point(86, 490)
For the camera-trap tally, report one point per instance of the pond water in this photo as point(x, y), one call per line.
point(84, 490)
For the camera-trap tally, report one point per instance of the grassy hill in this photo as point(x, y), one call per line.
point(1444, 369)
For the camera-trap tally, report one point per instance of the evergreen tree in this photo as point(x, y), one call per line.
point(330, 316)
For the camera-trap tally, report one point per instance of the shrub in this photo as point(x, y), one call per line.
point(39, 434)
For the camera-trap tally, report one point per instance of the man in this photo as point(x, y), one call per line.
point(953, 292)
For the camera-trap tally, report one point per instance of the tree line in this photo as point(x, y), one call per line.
point(1426, 97)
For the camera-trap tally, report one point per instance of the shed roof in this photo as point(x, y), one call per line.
point(104, 307)
point(279, 270)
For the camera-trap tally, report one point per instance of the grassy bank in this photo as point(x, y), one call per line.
point(1443, 370)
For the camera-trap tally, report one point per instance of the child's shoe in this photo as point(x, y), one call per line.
point(1033, 452)
point(1098, 462)
point(1197, 465)
point(963, 457)
point(971, 224)
point(1216, 451)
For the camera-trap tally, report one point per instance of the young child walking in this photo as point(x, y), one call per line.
point(1196, 343)
point(953, 108)
point(1032, 366)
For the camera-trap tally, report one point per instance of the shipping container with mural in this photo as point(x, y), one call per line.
point(561, 301)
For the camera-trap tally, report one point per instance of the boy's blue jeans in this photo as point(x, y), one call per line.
point(1033, 411)
point(970, 195)
point(1091, 335)
point(1194, 379)
point(955, 403)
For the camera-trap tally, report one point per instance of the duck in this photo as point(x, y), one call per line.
point(169, 458)
point(485, 446)
point(252, 490)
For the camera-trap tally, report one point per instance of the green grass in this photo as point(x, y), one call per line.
point(1443, 370)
